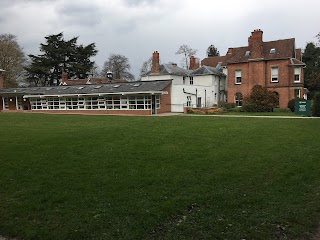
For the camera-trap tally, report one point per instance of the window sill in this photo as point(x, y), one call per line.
point(237, 83)
point(274, 81)
point(296, 82)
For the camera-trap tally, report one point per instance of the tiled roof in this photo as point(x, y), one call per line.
point(294, 61)
point(169, 69)
point(146, 86)
point(283, 49)
point(206, 70)
point(93, 81)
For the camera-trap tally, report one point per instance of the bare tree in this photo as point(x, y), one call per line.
point(146, 66)
point(12, 59)
point(186, 52)
point(119, 65)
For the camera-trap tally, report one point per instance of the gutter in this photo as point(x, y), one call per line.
point(95, 94)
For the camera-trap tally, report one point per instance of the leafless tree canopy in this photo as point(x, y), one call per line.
point(12, 59)
point(186, 52)
point(146, 66)
point(119, 65)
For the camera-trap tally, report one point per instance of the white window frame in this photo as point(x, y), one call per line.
point(274, 75)
point(191, 80)
point(297, 91)
point(238, 77)
point(238, 101)
point(188, 101)
point(297, 72)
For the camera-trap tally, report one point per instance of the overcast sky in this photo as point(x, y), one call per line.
point(135, 28)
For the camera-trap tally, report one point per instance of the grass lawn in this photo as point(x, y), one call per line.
point(116, 177)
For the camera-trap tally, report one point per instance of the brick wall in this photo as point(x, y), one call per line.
point(165, 101)
point(259, 73)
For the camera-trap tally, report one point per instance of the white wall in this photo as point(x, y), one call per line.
point(204, 87)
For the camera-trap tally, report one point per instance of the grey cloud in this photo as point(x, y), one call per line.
point(82, 15)
point(140, 2)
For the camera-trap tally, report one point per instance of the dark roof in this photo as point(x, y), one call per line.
point(214, 61)
point(93, 81)
point(141, 86)
point(294, 61)
point(284, 49)
point(169, 69)
point(206, 70)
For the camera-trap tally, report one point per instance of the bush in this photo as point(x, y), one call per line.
point(291, 103)
point(214, 111)
point(226, 105)
point(260, 100)
point(236, 109)
point(316, 105)
point(282, 110)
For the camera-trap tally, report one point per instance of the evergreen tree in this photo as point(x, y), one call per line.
point(58, 55)
point(311, 57)
point(212, 51)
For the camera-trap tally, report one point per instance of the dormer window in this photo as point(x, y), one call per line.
point(247, 54)
point(272, 50)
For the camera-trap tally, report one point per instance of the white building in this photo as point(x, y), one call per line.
point(197, 87)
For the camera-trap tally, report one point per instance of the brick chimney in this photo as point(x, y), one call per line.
point(192, 63)
point(230, 50)
point(155, 62)
point(64, 78)
point(1, 78)
point(298, 54)
point(255, 43)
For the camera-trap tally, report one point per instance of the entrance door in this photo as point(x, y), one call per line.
point(199, 102)
point(153, 104)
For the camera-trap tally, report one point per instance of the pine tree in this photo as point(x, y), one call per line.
point(60, 55)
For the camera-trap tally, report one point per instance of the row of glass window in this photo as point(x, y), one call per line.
point(112, 102)
point(274, 75)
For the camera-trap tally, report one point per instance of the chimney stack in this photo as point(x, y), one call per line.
point(1, 78)
point(155, 62)
point(255, 43)
point(230, 50)
point(194, 63)
point(64, 77)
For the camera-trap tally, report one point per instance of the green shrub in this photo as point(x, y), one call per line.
point(226, 105)
point(260, 100)
point(281, 110)
point(236, 109)
point(291, 103)
point(316, 105)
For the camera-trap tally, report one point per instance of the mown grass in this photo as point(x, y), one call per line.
point(117, 177)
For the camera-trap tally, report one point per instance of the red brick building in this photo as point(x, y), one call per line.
point(275, 64)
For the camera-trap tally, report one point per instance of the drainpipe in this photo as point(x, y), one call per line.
point(205, 98)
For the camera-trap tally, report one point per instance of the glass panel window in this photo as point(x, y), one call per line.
point(274, 74)
point(238, 77)
point(238, 99)
point(297, 74)
point(297, 93)
point(188, 101)
point(191, 80)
